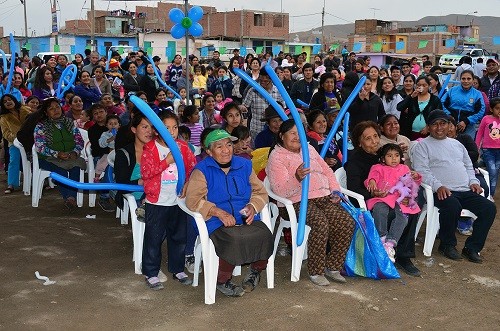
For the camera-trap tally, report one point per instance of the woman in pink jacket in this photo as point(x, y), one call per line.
point(329, 222)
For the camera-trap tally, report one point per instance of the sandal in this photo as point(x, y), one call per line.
point(9, 190)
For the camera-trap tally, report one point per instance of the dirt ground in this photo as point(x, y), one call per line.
point(96, 287)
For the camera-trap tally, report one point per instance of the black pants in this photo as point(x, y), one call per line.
point(449, 213)
point(163, 222)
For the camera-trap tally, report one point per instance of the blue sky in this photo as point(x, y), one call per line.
point(338, 12)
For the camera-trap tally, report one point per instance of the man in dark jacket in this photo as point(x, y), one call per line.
point(304, 89)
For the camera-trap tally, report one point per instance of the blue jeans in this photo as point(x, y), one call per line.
point(73, 174)
point(164, 222)
point(491, 158)
point(192, 233)
point(14, 166)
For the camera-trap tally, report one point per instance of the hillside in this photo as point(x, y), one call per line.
point(489, 26)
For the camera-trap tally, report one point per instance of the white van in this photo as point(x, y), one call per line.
point(126, 49)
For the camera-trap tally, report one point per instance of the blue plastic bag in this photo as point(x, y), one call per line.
point(366, 256)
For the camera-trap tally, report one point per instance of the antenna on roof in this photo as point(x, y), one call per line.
point(374, 10)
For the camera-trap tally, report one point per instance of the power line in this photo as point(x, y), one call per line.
point(306, 15)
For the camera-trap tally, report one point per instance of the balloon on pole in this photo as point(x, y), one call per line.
point(66, 83)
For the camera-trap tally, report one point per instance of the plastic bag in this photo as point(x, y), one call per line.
point(259, 159)
point(366, 256)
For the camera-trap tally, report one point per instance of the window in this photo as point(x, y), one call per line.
point(443, 42)
point(110, 24)
point(278, 21)
point(258, 19)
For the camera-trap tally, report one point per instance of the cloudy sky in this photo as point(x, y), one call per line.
point(337, 11)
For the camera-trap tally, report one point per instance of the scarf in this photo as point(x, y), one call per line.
point(155, 80)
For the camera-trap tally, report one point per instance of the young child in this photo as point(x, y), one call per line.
point(185, 134)
point(220, 102)
point(488, 140)
point(67, 97)
point(191, 119)
point(381, 179)
point(183, 101)
point(107, 140)
point(164, 219)
point(199, 80)
point(242, 145)
point(84, 122)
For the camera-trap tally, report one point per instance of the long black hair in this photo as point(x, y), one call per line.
point(3, 110)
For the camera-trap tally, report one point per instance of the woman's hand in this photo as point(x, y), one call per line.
point(248, 214)
point(414, 175)
point(461, 126)
point(227, 219)
point(330, 161)
point(363, 94)
point(62, 155)
point(424, 131)
point(301, 172)
point(415, 93)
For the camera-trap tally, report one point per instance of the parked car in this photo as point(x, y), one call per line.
point(450, 61)
point(47, 55)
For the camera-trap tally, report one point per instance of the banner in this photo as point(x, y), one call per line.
point(204, 51)
point(259, 50)
point(316, 49)
point(356, 47)
point(243, 51)
point(72, 49)
point(27, 46)
point(400, 45)
point(298, 49)
point(171, 50)
point(450, 43)
point(334, 47)
point(57, 48)
point(422, 43)
point(377, 47)
point(276, 50)
point(496, 40)
point(183, 51)
point(222, 50)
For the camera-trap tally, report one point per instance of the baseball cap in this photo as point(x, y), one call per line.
point(436, 115)
point(491, 61)
point(217, 135)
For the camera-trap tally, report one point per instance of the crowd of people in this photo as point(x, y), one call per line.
point(403, 130)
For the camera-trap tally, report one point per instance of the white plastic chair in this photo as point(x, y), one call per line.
point(431, 212)
point(210, 258)
point(38, 177)
point(26, 167)
point(130, 205)
point(341, 176)
point(298, 252)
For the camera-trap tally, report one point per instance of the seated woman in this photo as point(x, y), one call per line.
point(317, 124)
point(267, 137)
point(44, 85)
point(225, 190)
point(389, 127)
point(366, 140)
point(328, 95)
point(329, 222)
point(58, 144)
point(87, 93)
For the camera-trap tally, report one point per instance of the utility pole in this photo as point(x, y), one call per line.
point(323, 25)
point(187, 52)
point(25, 23)
point(92, 25)
point(55, 29)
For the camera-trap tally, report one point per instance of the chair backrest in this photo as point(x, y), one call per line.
point(34, 155)
point(341, 176)
point(85, 136)
point(20, 146)
point(111, 158)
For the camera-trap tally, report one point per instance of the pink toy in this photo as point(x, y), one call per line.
point(407, 188)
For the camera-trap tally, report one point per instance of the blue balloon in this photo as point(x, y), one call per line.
point(178, 31)
point(196, 30)
point(262, 92)
point(4, 60)
point(176, 15)
point(72, 72)
point(345, 137)
point(12, 63)
point(304, 146)
point(162, 82)
point(195, 13)
point(96, 186)
point(444, 86)
point(165, 134)
point(342, 112)
point(302, 103)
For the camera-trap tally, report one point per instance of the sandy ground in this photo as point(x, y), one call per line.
point(96, 288)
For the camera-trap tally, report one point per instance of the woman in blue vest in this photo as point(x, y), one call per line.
point(58, 144)
point(225, 190)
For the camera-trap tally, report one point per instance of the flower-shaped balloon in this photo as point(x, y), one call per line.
point(186, 23)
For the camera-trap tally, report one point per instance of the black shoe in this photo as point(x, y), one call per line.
point(230, 289)
point(450, 252)
point(407, 266)
point(251, 280)
point(106, 205)
point(471, 255)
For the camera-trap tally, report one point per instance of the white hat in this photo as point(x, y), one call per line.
point(285, 63)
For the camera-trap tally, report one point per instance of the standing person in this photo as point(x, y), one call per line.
point(479, 68)
point(215, 62)
point(344, 53)
point(465, 63)
point(164, 218)
point(174, 71)
point(408, 85)
point(12, 116)
point(93, 62)
point(331, 60)
point(390, 96)
point(447, 168)
point(35, 65)
point(415, 109)
point(492, 75)
point(191, 119)
point(149, 83)
point(415, 67)
point(488, 139)
point(223, 83)
point(349, 62)
point(255, 104)
point(131, 79)
point(367, 106)
point(329, 222)
point(465, 104)
point(232, 116)
point(397, 79)
point(373, 74)
point(303, 89)
point(382, 177)
point(434, 84)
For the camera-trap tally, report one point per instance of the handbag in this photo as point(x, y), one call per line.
point(366, 256)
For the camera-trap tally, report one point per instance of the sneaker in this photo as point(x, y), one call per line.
point(319, 280)
point(389, 248)
point(230, 289)
point(183, 278)
point(189, 264)
point(106, 205)
point(154, 283)
point(141, 213)
point(251, 280)
point(163, 278)
point(335, 276)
